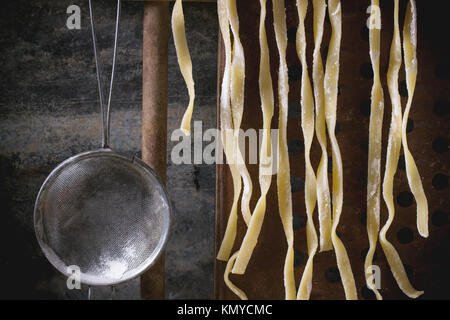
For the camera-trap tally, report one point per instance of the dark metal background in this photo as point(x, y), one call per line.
point(427, 261)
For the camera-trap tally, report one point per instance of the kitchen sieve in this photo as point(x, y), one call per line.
point(99, 213)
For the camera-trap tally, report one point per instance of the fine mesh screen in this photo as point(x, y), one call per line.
point(103, 213)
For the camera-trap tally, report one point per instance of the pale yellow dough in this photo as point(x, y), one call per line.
point(241, 294)
point(409, 49)
point(374, 158)
point(265, 164)
point(283, 177)
point(323, 189)
point(237, 105)
point(393, 152)
point(307, 122)
point(228, 141)
point(184, 61)
point(330, 89)
point(227, 135)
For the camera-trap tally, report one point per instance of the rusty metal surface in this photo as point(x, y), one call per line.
point(427, 261)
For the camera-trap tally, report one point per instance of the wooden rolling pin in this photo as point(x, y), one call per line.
point(154, 114)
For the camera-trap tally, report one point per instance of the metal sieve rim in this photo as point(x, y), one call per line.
point(58, 263)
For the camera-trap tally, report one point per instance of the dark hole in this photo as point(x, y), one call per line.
point(294, 73)
point(364, 107)
point(440, 144)
point(405, 235)
point(330, 165)
point(402, 89)
point(365, 33)
point(332, 275)
point(401, 162)
point(299, 258)
point(337, 129)
point(367, 294)
point(410, 125)
point(364, 254)
point(327, 18)
point(441, 108)
point(440, 218)
point(294, 110)
point(299, 221)
point(366, 70)
point(409, 271)
point(297, 184)
point(365, 144)
point(405, 199)
point(324, 51)
point(443, 71)
point(295, 147)
point(402, 9)
point(292, 34)
point(339, 90)
point(364, 181)
point(364, 218)
point(440, 181)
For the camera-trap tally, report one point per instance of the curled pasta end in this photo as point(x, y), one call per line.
point(241, 294)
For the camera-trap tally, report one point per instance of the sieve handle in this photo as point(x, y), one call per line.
point(106, 119)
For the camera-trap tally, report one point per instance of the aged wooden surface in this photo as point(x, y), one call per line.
point(427, 261)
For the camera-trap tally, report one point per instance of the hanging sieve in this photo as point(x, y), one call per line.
point(101, 212)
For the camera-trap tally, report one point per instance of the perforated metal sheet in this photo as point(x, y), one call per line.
point(427, 260)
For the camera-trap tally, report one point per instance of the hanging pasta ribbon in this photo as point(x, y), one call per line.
point(393, 153)
point(184, 61)
point(228, 141)
point(227, 136)
point(323, 190)
point(237, 105)
point(331, 89)
point(414, 181)
point(265, 164)
point(283, 177)
point(241, 294)
point(374, 158)
point(307, 123)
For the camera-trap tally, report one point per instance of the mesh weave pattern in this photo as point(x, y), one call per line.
point(104, 214)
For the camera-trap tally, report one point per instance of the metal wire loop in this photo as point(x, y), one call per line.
point(105, 122)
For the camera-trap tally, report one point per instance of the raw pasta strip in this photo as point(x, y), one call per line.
point(184, 61)
point(228, 142)
point(374, 158)
point(323, 190)
point(265, 165)
point(237, 105)
point(226, 275)
point(283, 177)
point(307, 123)
point(409, 49)
point(393, 152)
point(330, 89)
point(227, 135)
